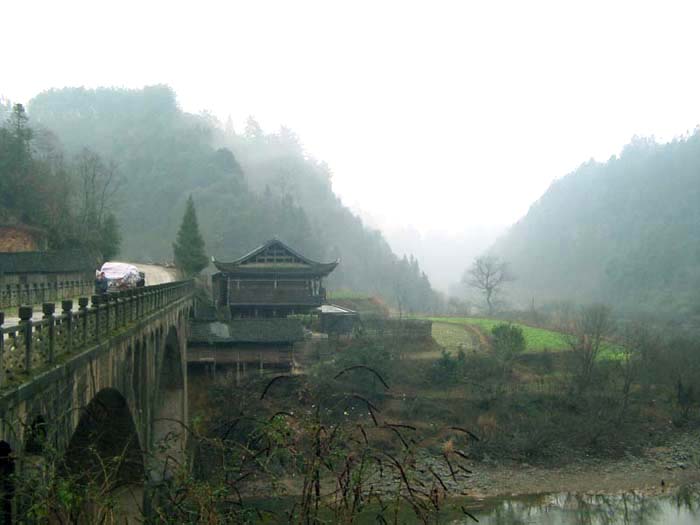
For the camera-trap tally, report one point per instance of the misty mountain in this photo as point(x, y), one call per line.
point(247, 187)
point(626, 232)
point(443, 256)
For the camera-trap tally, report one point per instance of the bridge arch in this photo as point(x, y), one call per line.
point(105, 448)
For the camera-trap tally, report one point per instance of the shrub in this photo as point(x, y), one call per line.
point(481, 367)
point(507, 341)
point(445, 370)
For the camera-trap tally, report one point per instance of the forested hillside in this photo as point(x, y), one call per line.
point(248, 186)
point(626, 232)
point(69, 200)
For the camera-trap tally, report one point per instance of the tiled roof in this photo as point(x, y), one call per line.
point(278, 270)
point(247, 331)
point(303, 266)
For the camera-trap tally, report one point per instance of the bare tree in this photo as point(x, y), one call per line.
point(488, 274)
point(639, 348)
point(98, 185)
point(585, 335)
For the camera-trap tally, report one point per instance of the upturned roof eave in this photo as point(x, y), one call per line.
point(235, 265)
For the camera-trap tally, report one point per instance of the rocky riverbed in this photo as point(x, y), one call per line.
point(656, 470)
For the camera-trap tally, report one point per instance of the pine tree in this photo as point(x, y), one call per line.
point(16, 182)
point(189, 246)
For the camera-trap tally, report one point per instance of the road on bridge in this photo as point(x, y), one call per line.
point(155, 274)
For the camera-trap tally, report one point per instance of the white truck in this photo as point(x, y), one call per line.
point(122, 276)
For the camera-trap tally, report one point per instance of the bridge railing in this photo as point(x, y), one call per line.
point(16, 294)
point(34, 344)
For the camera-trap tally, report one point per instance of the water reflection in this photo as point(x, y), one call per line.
point(682, 508)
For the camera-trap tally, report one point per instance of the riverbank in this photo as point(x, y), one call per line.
point(655, 471)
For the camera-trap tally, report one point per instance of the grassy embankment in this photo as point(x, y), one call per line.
point(528, 407)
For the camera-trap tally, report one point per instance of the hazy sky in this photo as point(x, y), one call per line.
point(439, 115)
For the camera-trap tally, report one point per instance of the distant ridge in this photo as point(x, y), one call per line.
point(625, 232)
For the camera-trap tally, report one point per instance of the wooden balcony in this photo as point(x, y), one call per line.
point(275, 296)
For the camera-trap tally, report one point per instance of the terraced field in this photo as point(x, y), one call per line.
point(536, 339)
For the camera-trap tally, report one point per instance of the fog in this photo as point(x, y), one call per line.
point(410, 260)
point(437, 117)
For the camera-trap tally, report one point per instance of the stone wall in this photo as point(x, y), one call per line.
point(398, 328)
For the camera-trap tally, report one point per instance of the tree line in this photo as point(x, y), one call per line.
point(72, 198)
point(622, 232)
point(248, 186)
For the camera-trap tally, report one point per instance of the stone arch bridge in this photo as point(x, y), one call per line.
point(105, 381)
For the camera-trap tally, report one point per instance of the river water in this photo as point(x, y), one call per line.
point(632, 508)
point(682, 508)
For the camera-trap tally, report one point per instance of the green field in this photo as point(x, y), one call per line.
point(536, 339)
point(452, 337)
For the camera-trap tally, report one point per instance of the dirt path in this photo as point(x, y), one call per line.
point(472, 329)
